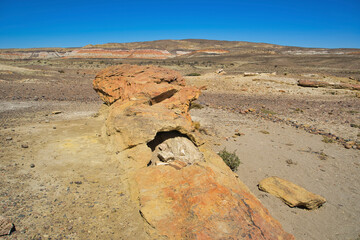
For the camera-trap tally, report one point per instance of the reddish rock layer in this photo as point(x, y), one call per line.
point(137, 53)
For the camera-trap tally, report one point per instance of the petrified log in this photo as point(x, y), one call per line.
point(184, 190)
point(290, 193)
point(317, 84)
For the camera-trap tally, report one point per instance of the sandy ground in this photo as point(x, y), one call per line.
point(64, 185)
point(274, 149)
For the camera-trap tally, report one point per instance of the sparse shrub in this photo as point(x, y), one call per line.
point(298, 110)
point(195, 105)
point(196, 125)
point(231, 159)
point(193, 74)
point(353, 111)
point(327, 140)
point(322, 156)
point(267, 111)
point(61, 71)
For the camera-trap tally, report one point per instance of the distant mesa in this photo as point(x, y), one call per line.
point(164, 49)
point(105, 53)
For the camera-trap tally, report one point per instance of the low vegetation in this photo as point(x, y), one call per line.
point(231, 159)
point(267, 111)
point(264, 132)
point(195, 105)
point(327, 139)
point(193, 74)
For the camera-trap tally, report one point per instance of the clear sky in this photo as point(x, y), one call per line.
point(64, 23)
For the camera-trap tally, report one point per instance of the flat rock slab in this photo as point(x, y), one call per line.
point(6, 226)
point(292, 194)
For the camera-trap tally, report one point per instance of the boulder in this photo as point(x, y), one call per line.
point(183, 189)
point(290, 193)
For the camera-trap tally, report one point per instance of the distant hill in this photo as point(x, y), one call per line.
point(163, 49)
point(186, 44)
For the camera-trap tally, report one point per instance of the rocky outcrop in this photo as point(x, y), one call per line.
point(30, 55)
point(89, 53)
point(290, 193)
point(184, 190)
point(105, 53)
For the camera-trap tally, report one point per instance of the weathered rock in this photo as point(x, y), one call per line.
point(127, 82)
point(292, 194)
point(6, 226)
point(170, 146)
point(250, 74)
point(220, 71)
point(316, 84)
point(184, 190)
point(191, 203)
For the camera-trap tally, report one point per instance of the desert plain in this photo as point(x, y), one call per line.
point(59, 179)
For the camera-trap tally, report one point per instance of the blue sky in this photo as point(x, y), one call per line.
point(54, 23)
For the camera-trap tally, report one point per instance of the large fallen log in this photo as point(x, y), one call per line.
point(317, 84)
point(184, 190)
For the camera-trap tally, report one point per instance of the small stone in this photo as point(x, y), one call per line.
point(47, 121)
point(56, 112)
point(6, 226)
point(78, 182)
point(289, 162)
point(24, 146)
point(54, 127)
point(32, 165)
point(8, 138)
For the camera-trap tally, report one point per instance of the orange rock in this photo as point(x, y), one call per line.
point(131, 81)
point(180, 196)
point(191, 203)
point(315, 84)
point(291, 194)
